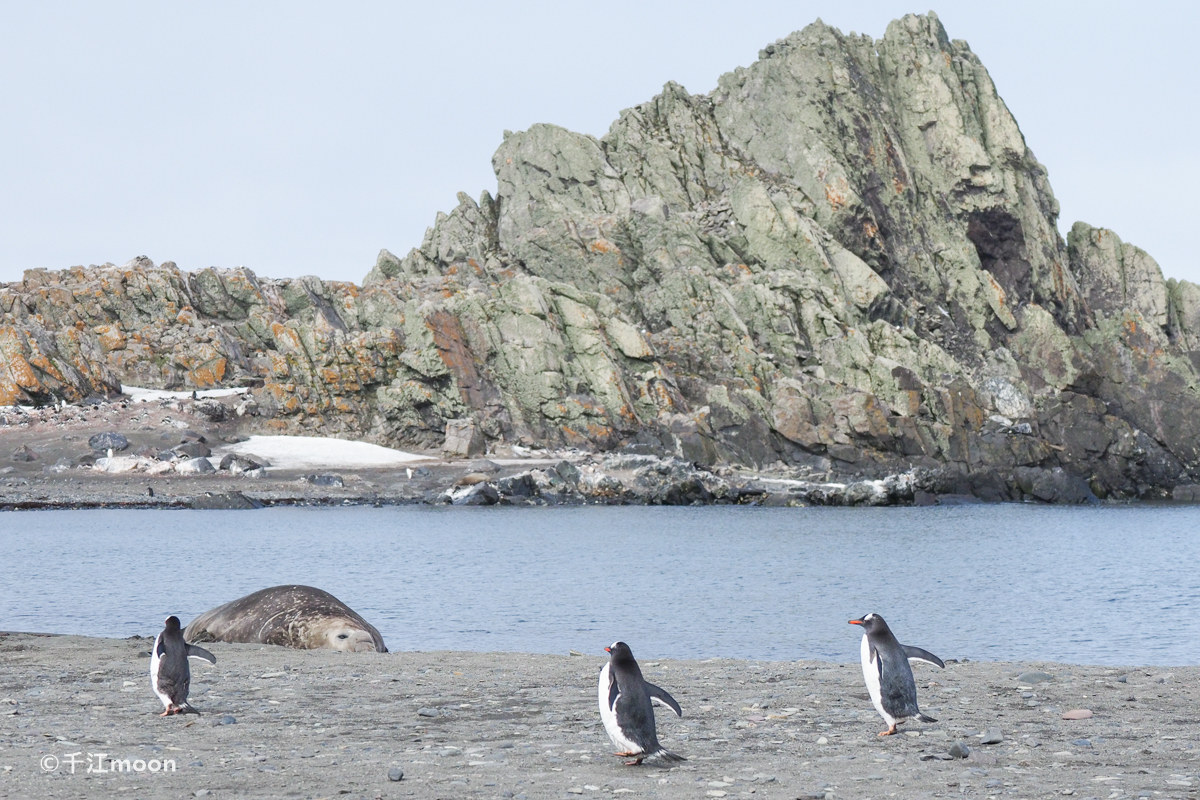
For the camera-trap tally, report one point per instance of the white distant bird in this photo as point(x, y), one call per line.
point(409, 471)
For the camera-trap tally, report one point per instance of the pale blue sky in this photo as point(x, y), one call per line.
point(299, 138)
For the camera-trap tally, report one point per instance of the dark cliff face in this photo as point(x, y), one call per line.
point(845, 257)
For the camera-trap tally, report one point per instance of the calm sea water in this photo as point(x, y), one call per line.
point(1091, 585)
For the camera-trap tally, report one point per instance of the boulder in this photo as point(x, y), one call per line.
point(1053, 485)
point(237, 463)
point(224, 501)
point(327, 479)
point(463, 438)
point(212, 410)
point(24, 454)
point(194, 466)
point(110, 440)
point(191, 449)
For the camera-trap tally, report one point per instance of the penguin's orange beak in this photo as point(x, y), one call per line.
point(856, 622)
point(608, 649)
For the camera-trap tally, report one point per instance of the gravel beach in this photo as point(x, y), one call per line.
point(287, 723)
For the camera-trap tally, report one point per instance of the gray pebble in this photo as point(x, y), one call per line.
point(395, 774)
point(993, 736)
point(225, 720)
point(1081, 742)
point(960, 750)
point(427, 712)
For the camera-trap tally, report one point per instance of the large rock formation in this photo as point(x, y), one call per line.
point(845, 259)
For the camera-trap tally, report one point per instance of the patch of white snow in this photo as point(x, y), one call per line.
point(139, 395)
point(306, 452)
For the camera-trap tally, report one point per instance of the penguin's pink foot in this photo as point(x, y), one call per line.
point(890, 731)
point(637, 762)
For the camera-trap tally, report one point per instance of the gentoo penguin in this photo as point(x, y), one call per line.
point(170, 676)
point(627, 707)
point(886, 670)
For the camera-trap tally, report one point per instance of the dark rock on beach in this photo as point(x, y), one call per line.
point(24, 454)
point(224, 501)
point(109, 440)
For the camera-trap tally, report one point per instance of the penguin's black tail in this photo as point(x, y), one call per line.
point(663, 754)
point(924, 718)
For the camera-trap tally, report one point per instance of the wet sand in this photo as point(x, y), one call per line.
point(286, 723)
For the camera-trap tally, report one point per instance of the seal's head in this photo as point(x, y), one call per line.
point(340, 633)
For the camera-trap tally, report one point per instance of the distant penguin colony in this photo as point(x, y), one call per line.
point(887, 673)
point(625, 698)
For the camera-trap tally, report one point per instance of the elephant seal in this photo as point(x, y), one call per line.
point(290, 616)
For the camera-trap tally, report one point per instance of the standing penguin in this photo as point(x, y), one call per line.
point(170, 675)
point(887, 672)
point(627, 707)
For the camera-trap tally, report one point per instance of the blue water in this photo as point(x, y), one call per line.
point(1090, 585)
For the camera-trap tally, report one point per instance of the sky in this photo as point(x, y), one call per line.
point(299, 138)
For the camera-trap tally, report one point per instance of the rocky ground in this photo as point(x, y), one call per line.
point(284, 723)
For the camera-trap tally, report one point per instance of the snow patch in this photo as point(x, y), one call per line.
point(139, 395)
point(305, 452)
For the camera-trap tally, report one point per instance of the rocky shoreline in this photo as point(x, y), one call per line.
point(286, 723)
point(178, 453)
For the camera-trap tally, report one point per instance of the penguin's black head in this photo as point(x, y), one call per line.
point(172, 623)
point(871, 623)
point(620, 652)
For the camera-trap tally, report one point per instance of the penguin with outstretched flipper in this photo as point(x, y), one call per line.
point(886, 671)
point(170, 675)
point(627, 708)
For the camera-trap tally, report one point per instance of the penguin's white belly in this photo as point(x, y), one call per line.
point(871, 678)
point(154, 662)
point(609, 717)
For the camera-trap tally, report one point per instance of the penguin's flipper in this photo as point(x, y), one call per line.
point(924, 718)
point(917, 654)
point(160, 647)
point(614, 692)
point(199, 652)
point(660, 696)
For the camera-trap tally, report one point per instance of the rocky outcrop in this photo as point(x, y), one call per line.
point(844, 260)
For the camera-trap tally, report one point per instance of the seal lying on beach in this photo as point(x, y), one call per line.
point(290, 616)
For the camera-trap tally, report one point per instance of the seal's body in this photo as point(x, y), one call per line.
point(290, 616)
